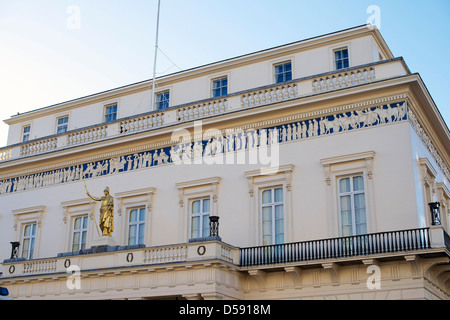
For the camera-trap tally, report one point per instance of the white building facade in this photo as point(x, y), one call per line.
point(316, 169)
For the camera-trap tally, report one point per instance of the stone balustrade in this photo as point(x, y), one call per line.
point(166, 254)
point(38, 146)
point(39, 266)
point(87, 135)
point(118, 257)
point(5, 154)
point(201, 110)
point(269, 95)
point(141, 123)
point(213, 107)
point(343, 79)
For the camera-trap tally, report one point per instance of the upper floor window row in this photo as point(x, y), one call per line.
point(282, 72)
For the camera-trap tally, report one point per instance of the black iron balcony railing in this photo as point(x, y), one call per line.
point(360, 245)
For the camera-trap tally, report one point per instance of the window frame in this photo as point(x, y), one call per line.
point(220, 88)
point(352, 194)
point(165, 101)
point(73, 209)
point(31, 238)
point(345, 166)
point(284, 72)
point(273, 204)
point(26, 136)
point(28, 216)
point(82, 230)
point(201, 214)
point(66, 124)
point(126, 202)
point(190, 191)
point(107, 114)
point(443, 197)
point(335, 61)
point(264, 179)
point(136, 223)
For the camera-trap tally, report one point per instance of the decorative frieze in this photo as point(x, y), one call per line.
point(428, 144)
point(235, 140)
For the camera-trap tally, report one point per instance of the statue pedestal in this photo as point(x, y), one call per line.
point(101, 244)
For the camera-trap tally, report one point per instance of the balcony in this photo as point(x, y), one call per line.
point(291, 90)
point(336, 248)
point(376, 245)
point(213, 269)
point(122, 257)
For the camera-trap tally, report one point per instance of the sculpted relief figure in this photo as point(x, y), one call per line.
point(160, 158)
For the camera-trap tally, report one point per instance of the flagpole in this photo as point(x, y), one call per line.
point(154, 62)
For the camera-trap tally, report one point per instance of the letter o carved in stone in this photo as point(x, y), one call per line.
point(130, 257)
point(201, 250)
point(67, 263)
point(12, 269)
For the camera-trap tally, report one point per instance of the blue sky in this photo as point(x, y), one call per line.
point(56, 50)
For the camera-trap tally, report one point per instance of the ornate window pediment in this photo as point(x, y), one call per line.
point(270, 198)
point(349, 168)
point(27, 224)
point(193, 195)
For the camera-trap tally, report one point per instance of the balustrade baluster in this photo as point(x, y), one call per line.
point(417, 239)
point(217, 106)
point(137, 124)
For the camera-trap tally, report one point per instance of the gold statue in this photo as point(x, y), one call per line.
point(106, 211)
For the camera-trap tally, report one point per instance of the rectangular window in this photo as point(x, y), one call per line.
point(200, 210)
point(352, 206)
point(62, 125)
point(79, 233)
point(26, 133)
point(136, 226)
point(341, 59)
point(111, 112)
point(28, 240)
point(272, 212)
point(220, 87)
point(283, 72)
point(162, 100)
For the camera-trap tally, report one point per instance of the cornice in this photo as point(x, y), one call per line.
point(198, 183)
point(135, 193)
point(289, 168)
point(429, 125)
point(369, 155)
point(74, 203)
point(431, 119)
point(36, 209)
